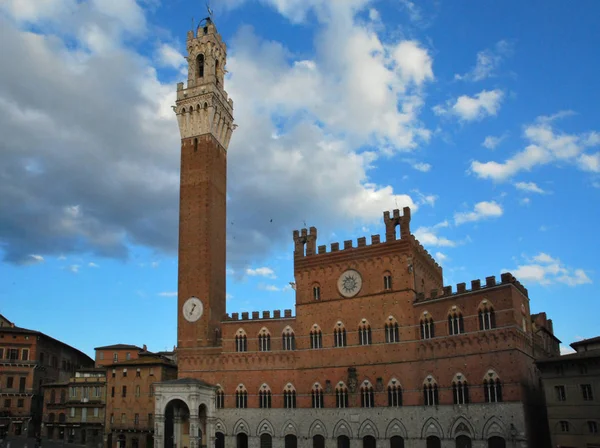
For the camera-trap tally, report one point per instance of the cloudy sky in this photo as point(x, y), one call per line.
point(481, 117)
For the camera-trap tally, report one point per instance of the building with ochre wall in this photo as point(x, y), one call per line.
point(379, 353)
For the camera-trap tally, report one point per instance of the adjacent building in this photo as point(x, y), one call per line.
point(379, 352)
point(30, 359)
point(572, 388)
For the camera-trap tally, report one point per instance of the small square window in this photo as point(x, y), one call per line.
point(586, 392)
point(560, 393)
point(20, 403)
point(564, 426)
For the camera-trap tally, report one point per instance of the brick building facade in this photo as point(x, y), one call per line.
point(30, 359)
point(379, 352)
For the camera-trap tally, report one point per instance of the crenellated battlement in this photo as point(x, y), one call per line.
point(258, 315)
point(476, 285)
point(305, 240)
point(424, 253)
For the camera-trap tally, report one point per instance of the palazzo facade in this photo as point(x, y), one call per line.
point(378, 352)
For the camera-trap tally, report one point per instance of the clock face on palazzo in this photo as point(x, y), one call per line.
point(192, 309)
point(349, 283)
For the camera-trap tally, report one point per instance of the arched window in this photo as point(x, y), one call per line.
point(264, 397)
point(288, 339)
point(316, 337)
point(316, 292)
point(430, 392)
point(52, 396)
point(341, 395)
point(456, 323)
point(220, 401)
point(290, 441)
point(463, 441)
point(460, 389)
point(433, 442)
point(200, 65)
point(396, 442)
point(343, 442)
point(487, 317)
point(387, 281)
point(392, 330)
point(217, 77)
point(266, 441)
point(289, 397)
point(241, 397)
point(394, 393)
point(63, 396)
point(367, 395)
point(496, 442)
point(241, 341)
point(364, 333)
point(339, 335)
point(427, 326)
point(492, 387)
point(369, 442)
point(317, 396)
point(264, 340)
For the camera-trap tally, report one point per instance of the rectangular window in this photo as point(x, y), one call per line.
point(1, 353)
point(96, 412)
point(138, 373)
point(124, 394)
point(101, 356)
point(560, 393)
point(151, 389)
point(7, 403)
point(151, 373)
point(593, 427)
point(586, 391)
point(316, 293)
point(13, 354)
point(115, 357)
point(123, 418)
point(150, 420)
point(564, 426)
point(72, 391)
point(112, 392)
point(128, 356)
point(20, 403)
point(112, 418)
point(22, 382)
point(136, 419)
point(124, 373)
point(387, 282)
point(137, 391)
point(9, 382)
point(25, 354)
point(114, 372)
point(72, 412)
point(83, 414)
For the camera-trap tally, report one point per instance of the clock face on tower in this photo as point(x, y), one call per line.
point(349, 283)
point(192, 309)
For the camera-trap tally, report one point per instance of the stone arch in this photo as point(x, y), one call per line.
point(342, 428)
point(241, 426)
point(395, 428)
point(220, 426)
point(493, 427)
point(317, 428)
point(461, 427)
point(289, 427)
point(265, 427)
point(166, 403)
point(368, 428)
point(432, 427)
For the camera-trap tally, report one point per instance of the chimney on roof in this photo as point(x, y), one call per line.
point(145, 348)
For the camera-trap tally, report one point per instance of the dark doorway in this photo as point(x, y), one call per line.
point(176, 409)
point(83, 436)
point(318, 441)
point(463, 442)
point(135, 443)
point(241, 440)
point(433, 442)
point(266, 441)
point(219, 440)
point(343, 442)
point(396, 442)
point(496, 442)
point(369, 442)
point(291, 441)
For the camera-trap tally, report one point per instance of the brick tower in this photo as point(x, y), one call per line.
point(205, 117)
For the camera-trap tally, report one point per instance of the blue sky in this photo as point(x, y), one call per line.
point(480, 116)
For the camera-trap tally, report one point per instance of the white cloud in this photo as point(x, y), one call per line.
point(482, 210)
point(168, 294)
point(168, 56)
point(38, 10)
point(544, 145)
point(488, 62)
point(440, 257)
point(261, 272)
point(423, 167)
point(33, 259)
point(470, 108)
point(525, 201)
point(374, 15)
point(74, 268)
point(414, 13)
point(228, 296)
point(566, 350)
point(425, 199)
point(529, 187)
point(545, 270)
point(491, 142)
point(428, 236)
point(91, 264)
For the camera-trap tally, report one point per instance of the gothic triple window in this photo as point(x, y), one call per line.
point(387, 281)
point(394, 393)
point(288, 339)
point(427, 326)
point(364, 333)
point(264, 397)
point(317, 396)
point(456, 323)
point(220, 398)
point(289, 397)
point(339, 335)
point(492, 388)
point(430, 392)
point(487, 317)
point(392, 330)
point(460, 389)
point(316, 292)
point(241, 341)
point(241, 397)
point(316, 337)
point(367, 395)
point(264, 340)
point(341, 396)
